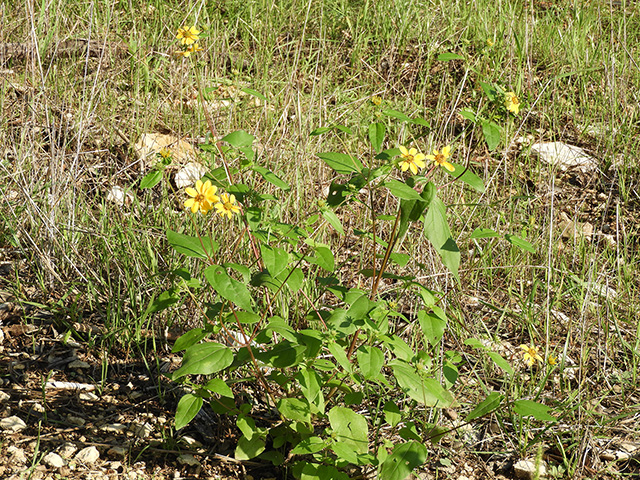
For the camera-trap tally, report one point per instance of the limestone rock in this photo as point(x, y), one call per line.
point(565, 156)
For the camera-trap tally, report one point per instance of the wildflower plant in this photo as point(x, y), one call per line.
point(345, 341)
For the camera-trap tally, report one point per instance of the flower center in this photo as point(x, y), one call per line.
point(440, 159)
point(200, 198)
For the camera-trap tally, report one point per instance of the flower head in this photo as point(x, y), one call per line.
point(411, 159)
point(552, 361)
point(376, 100)
point(530, 354)
point(226, 205)
point(512, 102)
point(190, 49)
point(202, 197)
point(164, 154)
point(188, 35)
point(441, 157)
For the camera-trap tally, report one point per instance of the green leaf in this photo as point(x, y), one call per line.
point(325, 258)
point(396, 114)
point(254, 93)
point(437, 231)
point(370, 360)
point(192, 246)
point(151, 179)
point(320, 131)
point(492, 134)
point(248, 449)
point(311, 387)
point(447, 57)
point(468, 114)
point(341, 162)
point(432, 326)
point(333, 220)
point(500, 362)
point(164, 301)
point(275, 259)
point(529, 408)
point(391, 413)
point(402, 190)
point(376, 135)
point(424, 390)
point(188, 407)
point(467, 177)
point(309, 445)
point(489, 90)
point(340, 355)
point(272, 178)
point(204, 359)
point(229, 288)
point(484, 233)
point(350, 428)
point(220, 387)
point(190, 338)
point(403, 460)
point(294, 277)
point(520, 243)
point(488, 405)
point(239, 139)
point(312, 471)
point(295, 409)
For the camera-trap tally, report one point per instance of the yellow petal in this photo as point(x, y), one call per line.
point(449, 167)
point(404, 150)
point(191, 191)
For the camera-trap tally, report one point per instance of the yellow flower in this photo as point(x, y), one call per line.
point(512, 103)
point(165, 154)
point(188, 35)
point(552, 360)
point(530, 354)
point(190, 49)
point(226, 205)
point(411, 159)
point(202, 197)
point(440, 158)
point(376, 100)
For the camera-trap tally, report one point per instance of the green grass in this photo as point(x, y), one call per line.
point(318, 64)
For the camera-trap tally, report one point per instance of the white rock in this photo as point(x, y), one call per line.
point(88, 455)
point(114, 428)
point(37, 407)
point(53, 460)
point(13, 424)
point(4, 397)
point(88, 396)
point(564, 156)
point(189, 174)
point(119, 196)
point(66, 450)
point(187, 459)
point(73, 420)
point(150, 144)
point(143, 430)
point(527, 469)
point(16, 454)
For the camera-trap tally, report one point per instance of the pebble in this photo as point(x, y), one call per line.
point(66, 450)
point(117, 452)
point(143, 430)
point(88, 396)
point(4, 397)
point(17, 454)
point(526, 469)
point(53, 460)
point(88, 455)
point(114, 428)
point(188, 459)
point(13, 424)
point(78, 364)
